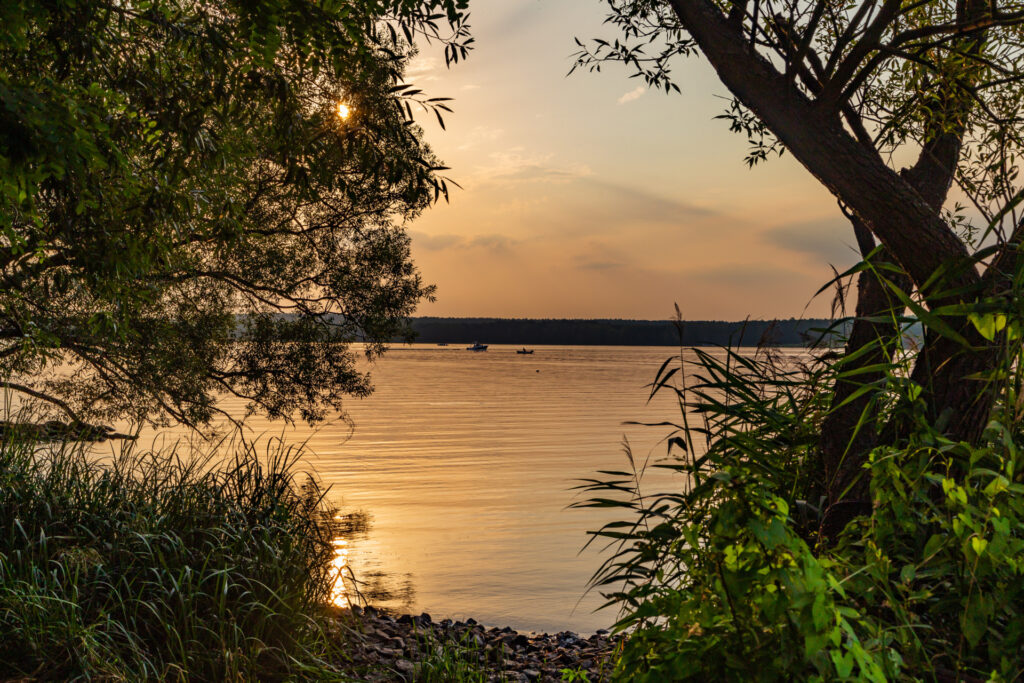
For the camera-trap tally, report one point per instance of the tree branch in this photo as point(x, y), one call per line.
point(856, 176)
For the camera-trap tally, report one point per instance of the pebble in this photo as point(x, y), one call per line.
point(388, 648)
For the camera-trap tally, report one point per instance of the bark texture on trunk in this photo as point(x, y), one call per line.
point(848, 433)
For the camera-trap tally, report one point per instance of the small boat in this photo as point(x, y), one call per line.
point(524, 351)
point(477, 346)
point(442, 343)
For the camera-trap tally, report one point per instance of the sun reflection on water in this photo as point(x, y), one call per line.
point(339, 565)
point(353, 581)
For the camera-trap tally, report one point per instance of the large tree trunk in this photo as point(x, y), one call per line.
point(903, 212)
point(849, 430)
point(849, 433)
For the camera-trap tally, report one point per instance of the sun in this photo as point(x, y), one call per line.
point(343, 111)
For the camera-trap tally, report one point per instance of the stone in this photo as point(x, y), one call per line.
point(395, 645)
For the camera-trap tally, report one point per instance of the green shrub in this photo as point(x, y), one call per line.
point(725, 578)
point(156, 565)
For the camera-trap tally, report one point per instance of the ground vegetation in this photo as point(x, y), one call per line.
point(857, 518)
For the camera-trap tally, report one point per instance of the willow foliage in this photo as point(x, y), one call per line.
point(183, 211)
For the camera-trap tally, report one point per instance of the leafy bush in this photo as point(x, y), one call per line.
point(727, 578)
point(154, 565)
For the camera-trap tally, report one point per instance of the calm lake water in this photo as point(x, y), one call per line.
point(465, 462)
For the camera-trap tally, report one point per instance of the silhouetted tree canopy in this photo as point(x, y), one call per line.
point(176, 174)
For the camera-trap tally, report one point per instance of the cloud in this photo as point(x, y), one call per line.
point(827, 240)
point(597, 255)
point(425, 240)
point(634, 94)
point(516, 164)
point(480, 135)
point(640, 204)
point(744, 275)
point(421, 68)
point(494, 243)
point(601, 265)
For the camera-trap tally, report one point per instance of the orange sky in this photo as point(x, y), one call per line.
point(588, 196)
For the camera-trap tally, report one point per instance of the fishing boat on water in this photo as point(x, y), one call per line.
point(524, 351)
point(477, 346)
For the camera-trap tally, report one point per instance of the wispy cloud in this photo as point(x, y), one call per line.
point(634, 94)
point(743, 275)
point(480, 135)
point(434, 242)
point(517, 164)
point(597, 255)
point(601, 265)
point(422, 68)
point(643, 204)
point(827, 240)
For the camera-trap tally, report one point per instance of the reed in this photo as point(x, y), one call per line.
point(447, 659)
point(166, 564)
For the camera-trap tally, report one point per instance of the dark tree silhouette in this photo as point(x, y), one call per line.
point(176, 175)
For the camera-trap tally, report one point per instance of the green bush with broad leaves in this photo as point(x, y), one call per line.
point(729, 578)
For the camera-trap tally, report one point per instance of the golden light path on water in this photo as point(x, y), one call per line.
point(457, 481)
point(339, 592)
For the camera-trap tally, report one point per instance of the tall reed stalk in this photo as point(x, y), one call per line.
point(161, 564)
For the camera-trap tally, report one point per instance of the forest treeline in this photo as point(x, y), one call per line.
point(791, 332)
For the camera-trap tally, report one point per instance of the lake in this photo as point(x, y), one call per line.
point(464, 463)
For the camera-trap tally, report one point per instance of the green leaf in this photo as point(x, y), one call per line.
point(988, 324)
point(843, 661)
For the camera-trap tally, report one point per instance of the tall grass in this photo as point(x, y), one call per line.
point(723, 578)
point(162, 565)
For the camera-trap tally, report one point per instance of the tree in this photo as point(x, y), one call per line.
point(850, 89)
point(208, 198)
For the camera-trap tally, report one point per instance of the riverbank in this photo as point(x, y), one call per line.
point(385, 647)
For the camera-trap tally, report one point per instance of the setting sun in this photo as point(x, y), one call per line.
point(343, 111)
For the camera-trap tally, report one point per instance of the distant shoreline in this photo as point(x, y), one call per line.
point(611, 332)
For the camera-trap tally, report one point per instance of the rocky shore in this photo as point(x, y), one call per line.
point(385, 647)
